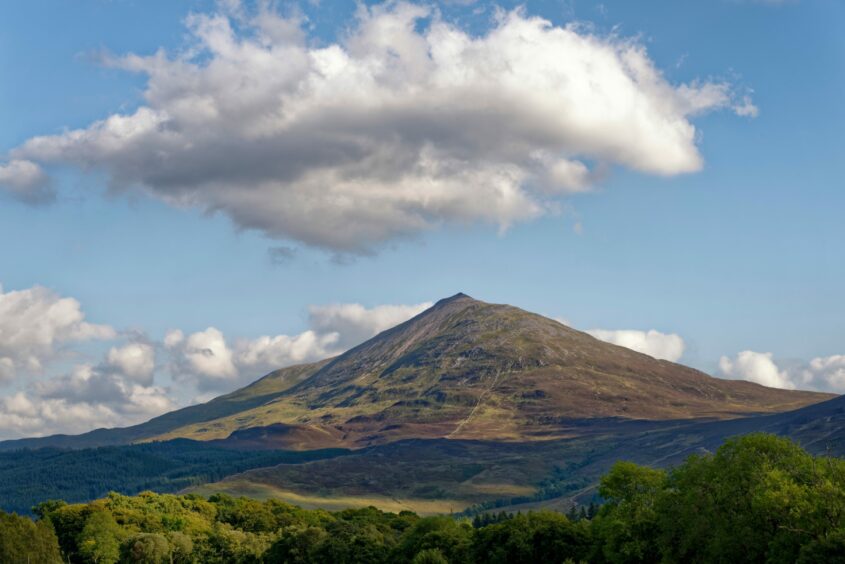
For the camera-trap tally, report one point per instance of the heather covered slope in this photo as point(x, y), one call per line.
point(463, 369)
point(458, 475)
point(466, 369)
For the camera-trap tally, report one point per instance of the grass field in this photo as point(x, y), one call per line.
point(242, 487)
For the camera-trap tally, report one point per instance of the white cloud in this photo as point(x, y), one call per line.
point(134, 360)
point(434, 124)
point(25, 181)
point(173, 338)
point(269, 353)
point(34, 322)
point(825, 373)
point(756, 367)
point(665, 346)
point(745, 107)
point(88, 397)
point(206, 353)
point(25, 416)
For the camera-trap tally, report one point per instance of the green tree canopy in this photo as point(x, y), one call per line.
point(25, 542)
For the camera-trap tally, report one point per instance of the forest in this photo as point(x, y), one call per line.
point(758, 498)
point(28, 476)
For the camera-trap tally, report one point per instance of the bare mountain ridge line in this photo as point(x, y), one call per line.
point(429, 377)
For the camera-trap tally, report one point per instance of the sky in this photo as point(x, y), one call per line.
point(193, 193)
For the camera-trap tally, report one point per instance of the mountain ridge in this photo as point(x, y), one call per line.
point(461, 369)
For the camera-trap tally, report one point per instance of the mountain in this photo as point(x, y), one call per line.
point(503, 406)
point(472, 370)
point(463, 369)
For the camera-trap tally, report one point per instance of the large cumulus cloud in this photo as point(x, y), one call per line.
point(118, 391)
point(406, 122)
point(35, 323)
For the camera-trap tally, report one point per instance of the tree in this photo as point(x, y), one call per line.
point(24, 542)
point(145, 548)
point(626, 528)
point(181, 547)
point(452, 538)
point(542, 536)
point(68, 522)
point(759, 498)
point(245, 514)
point(429, 556)
point(354, 542)
point(43, 509)
point(296, 545)
point(99, 541)
point(829, 549)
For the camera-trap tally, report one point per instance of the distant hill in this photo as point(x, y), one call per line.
point(463, 369)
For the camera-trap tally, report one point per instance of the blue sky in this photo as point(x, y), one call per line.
point(743, 254)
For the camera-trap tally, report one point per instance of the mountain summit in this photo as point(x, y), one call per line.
point(463, 369)
point(474, 370)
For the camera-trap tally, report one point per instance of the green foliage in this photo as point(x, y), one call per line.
point(181, 547)
point(99, 541)
point(429, 556)
point(30, 476)
point(627, 524)
point(451, 538)
point(758, 499)
point(25, 542)
point(536, 537)
point(297, 545)
point(145, 548)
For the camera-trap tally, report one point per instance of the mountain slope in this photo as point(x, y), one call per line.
point(463, 369)
point(472, 370)
point(517, 475)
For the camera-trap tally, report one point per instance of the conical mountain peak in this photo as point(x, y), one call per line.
point(460, 296)
point(467, 369)
point(470, 369)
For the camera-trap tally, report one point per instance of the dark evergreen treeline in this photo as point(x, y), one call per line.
point(30, 476)
point(759, 498)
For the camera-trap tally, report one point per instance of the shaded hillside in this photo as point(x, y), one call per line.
point(28, 477)
point(459, 474)
point(472, 370)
